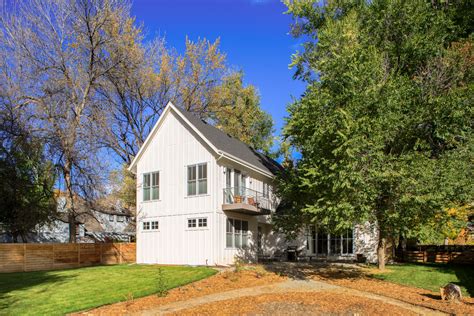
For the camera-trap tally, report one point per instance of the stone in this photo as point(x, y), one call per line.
point(451, 292)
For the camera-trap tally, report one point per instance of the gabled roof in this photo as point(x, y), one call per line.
point(223, 144)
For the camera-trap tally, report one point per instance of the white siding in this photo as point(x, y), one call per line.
point(171, 150)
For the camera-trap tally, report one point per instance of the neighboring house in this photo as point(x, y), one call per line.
point(109, 222)
point(205, 198)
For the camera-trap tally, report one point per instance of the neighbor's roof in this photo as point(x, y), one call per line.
point(222, 143)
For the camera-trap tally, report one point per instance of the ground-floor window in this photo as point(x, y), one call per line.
point(151, 225)
point(197, 222)
point(323, 243)
point(237, 233)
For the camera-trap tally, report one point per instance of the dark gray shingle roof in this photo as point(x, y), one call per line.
point(232, 146)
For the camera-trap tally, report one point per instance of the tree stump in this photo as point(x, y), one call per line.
point(451, 292)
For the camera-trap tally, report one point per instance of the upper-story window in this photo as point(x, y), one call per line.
point(197, 179)
point(111, 218)
point(151, 186)
point(266, 190)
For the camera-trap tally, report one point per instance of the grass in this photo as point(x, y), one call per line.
point(65, 291)
point(430, 276)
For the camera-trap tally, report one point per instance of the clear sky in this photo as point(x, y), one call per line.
point(253, 33)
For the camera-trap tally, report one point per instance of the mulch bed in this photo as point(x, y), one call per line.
point(221, 282)
point(298, 304)
point(421, 297)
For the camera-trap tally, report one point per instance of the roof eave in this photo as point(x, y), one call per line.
point(246, 164)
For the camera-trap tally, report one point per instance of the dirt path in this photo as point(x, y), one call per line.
point(290, 286)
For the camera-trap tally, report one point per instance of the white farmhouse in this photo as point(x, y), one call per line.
point(205, 198)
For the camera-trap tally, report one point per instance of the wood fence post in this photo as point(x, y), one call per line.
point(24, 257)
point(120, 253)
point(78, 255)
point(100, 250)
point(54, 256)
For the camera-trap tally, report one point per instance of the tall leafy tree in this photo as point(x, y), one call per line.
point(386, 123)
point(26, 184)
point(199, 80)
point(58, 54)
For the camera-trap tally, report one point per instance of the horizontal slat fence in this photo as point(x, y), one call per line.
point(40, 257)
point(439, 256)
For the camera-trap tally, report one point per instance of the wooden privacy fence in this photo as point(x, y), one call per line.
point(463, 256)
point(39, 257)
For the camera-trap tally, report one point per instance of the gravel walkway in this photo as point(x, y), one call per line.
point(293, 286)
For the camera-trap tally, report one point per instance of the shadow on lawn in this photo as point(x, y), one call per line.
point(307, 271)
point(465, 275)
point(18, 281)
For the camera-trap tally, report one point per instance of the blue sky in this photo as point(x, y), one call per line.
point(253, 33)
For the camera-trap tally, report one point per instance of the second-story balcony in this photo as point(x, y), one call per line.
point(247, 201)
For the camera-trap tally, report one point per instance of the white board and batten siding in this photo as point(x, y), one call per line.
point(170, 151)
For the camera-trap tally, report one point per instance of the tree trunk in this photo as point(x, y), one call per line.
point(72, 228)
point(381, 252)
point(71, 210)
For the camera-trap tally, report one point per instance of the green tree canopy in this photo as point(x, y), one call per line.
point(26, 186)
point(385, 125)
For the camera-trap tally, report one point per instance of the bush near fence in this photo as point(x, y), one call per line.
point(440, 254)
point(40, 257)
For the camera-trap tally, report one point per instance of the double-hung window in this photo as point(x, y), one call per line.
point(197, 179)
point(151, 186)
point(237, 232)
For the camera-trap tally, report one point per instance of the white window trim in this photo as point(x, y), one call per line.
point(328, 241)
point(241, 234)
point(150, 225)
point(197, 223)
point(159, 186)
point(197, 180)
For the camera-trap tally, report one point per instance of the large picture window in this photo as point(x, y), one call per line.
point(237, 233)
point(197, 179)
point(322, 243)
point(151, 186)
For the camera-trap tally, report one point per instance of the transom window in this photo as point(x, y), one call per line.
point(237, 233)
point(151, 225)
point(151, 186)
point(197, 179)
point(197, 222)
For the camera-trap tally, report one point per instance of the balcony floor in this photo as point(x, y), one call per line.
point(242, 208)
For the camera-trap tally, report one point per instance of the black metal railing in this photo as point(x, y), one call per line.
point(235, 195)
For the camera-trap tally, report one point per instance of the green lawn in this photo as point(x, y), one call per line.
point(431, 276)
point(60, 292)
